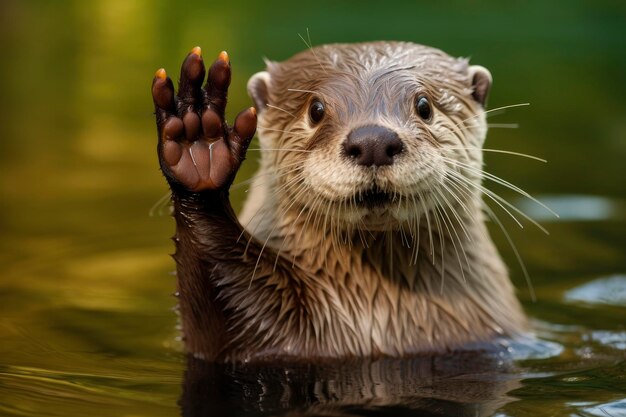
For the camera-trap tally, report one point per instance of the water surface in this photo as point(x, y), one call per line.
point(87, 325)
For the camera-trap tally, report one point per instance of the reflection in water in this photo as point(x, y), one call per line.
point(615, 340)
point(612, 409)
point(608, 290)
point(464, 384)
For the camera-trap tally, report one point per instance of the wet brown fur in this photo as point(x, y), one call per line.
point(309, 274)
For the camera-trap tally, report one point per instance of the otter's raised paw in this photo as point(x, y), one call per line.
point(197, 149)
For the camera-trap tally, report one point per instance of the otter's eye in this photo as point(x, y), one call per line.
point(422, 106)
point(316, 111)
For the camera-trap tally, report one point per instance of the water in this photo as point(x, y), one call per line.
point(86, 320)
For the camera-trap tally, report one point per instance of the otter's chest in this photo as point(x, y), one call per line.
point(355, 309)
point(380, 315)
point(361, 312)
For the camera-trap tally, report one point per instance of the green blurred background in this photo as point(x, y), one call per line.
point(85, 290)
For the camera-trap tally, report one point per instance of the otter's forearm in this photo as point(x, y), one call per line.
point(206, 224)
point(212, 250)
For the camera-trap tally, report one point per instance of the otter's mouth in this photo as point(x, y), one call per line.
point(373, 197)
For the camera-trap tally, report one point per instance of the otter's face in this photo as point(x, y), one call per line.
point(372, 135)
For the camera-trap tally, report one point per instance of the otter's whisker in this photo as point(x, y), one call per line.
point(310, 46)
point(311, 215)
point(276, 149)
point(158, 205)
point(274, 193)
point(503, 125)
point(416, 244)
point(283, 110)
point(485, 191)
point(463, 206)
point(430, 233)
point(268, 177)
point(441, 211)
point(441, 244)
point(500, 181)
point(503, 151)
point(521, 213)
point(498, 199)
point(293, 224)
point(458, 238)
point(467, 192)
point(390, 253)
point(283, 212)
point(271, 129)
point(493, 216)
point(269, 236)
point(510, 106)
point(264, 174)
point(512, 187)
point(242, 183)
point(403, 237)
point(342, 210)
point(308, 207)
point(326, 217)
point(303, 91)
point(264, 206)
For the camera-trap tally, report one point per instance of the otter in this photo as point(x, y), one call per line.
point(364, 233)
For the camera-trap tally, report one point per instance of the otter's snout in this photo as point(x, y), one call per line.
point(372, 145)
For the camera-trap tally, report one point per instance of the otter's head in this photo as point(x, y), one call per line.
point(372, 135)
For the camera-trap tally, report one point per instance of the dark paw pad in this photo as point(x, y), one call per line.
point(196, 147)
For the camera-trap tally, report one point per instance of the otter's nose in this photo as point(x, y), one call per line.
point(372, 145)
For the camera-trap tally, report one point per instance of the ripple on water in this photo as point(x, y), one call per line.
point(612, 409)
point(607, 290)
point(615, 340)
point(533, 348)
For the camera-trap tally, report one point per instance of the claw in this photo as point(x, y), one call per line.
point(223, 56)
point(244, 128)
point(192, 70)
point(160, 73)
point(217, 83)
point(245, 124)
point(163, 93)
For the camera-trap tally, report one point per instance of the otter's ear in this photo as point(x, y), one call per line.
point(481, 82)
point(258, 90)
